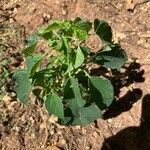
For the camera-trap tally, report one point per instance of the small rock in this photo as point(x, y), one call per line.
point(11, 20)
point(95, 135)
point(7, 99)
point(61, 143)
point(64, 12)
point(83, 131)
point(52, 148)
point(53, 119)
point(109, 120)
point(42, 126)
point(78, 127)
point(52, 132)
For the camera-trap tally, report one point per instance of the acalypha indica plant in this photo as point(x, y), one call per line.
point(60, 76)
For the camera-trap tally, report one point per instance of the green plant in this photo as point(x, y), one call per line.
point(63, 81)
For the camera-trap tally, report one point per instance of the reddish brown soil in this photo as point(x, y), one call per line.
point(126, 125)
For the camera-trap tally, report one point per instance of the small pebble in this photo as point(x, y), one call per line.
point(109, 120)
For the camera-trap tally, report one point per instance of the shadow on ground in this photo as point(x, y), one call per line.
point(124, 104)
point(131, 73)
point(133, 138)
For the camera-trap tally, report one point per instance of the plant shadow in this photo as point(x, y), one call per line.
point(124, 104)
point(130, 73)
point(133, 138)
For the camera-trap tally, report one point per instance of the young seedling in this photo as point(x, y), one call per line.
point(64, 83)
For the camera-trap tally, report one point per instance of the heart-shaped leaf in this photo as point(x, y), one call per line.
point(102, 92)
point(87, 115)
point(79, 57)
point(52, 26)
point(54, 105)
point(113, 57)
point(82, 24)
point(23, 85)
point(84, 116)
point(72, 95)
point(81, 28)
point(103, 30)
point(32, 42)
point(33, 63)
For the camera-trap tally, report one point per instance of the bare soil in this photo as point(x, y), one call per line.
point(125, 125)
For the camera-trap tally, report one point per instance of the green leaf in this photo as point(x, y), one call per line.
point(33, 63)
point(79, 58)
point(68, 117)
point(23, 85)
point(47, 32)
point(82, 24)
point(64, 46)
point(54, 105)
point(72, 95)
point(102, 91)
point(39, 79)
point(70, 67)
point(37, 92)
point(85, 51)
point(66, 25)
point(35, 66)
point(81, 28)
point(80, 34)
point(49, 37)
point(29, 50)
point(103, 30)
point(32, 42)
point(32, 39)
point(55, 25)
point(87, 115)
point(113, 57)
point(72, 90)
point(66, 121)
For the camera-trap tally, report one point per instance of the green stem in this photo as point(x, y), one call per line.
point(86, 74)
